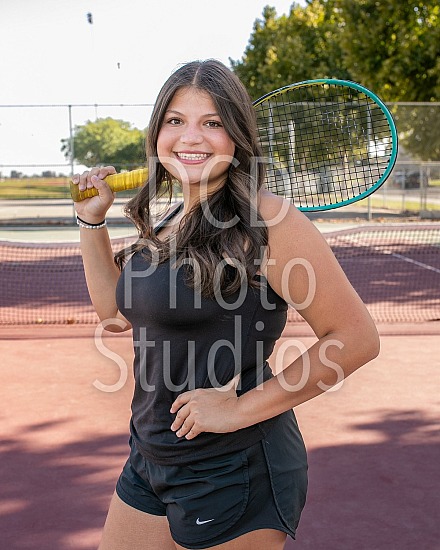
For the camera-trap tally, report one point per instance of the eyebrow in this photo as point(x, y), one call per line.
point(181, 114)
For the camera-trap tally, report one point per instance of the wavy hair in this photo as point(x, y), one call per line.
point(199, 242)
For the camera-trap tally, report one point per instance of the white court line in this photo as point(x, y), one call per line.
point(396, 255)
point(415, 262)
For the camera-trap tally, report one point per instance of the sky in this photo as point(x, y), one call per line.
point(51, 54)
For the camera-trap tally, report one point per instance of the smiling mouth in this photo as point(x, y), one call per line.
point(193, 156)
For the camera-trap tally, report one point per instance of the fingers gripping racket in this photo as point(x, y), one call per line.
point(326, 143)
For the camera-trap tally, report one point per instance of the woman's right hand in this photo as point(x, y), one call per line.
point(94, 209)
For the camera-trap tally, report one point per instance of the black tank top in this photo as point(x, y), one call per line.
point(184, 341)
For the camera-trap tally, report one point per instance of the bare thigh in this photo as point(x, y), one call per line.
point(129, 529)
point(263, 539)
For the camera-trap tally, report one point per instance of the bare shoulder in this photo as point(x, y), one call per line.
point(271, 205)
point(288, 227)
point(301, 267)
point(296, 252)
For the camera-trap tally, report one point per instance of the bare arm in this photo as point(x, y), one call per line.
point(303, 270)
point(101, 272)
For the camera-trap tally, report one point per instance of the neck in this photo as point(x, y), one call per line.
point(193, 194)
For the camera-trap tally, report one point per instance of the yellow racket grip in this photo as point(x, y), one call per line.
point(116, 182)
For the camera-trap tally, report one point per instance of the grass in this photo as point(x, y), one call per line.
point(34, 188)
point(37, 188)
point(58, 188)
point(396, 204)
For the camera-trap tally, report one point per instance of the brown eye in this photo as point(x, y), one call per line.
point(213, 124)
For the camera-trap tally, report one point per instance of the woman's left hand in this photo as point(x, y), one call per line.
point(206, 410)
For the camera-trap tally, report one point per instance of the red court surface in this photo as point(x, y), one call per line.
point(373, 446)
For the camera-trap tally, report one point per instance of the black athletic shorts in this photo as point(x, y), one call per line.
point(220, 498)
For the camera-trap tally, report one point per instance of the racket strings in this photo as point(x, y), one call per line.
point(323, 143)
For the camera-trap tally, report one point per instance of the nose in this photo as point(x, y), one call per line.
point(191, 135)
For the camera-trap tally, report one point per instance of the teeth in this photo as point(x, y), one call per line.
point(193, 156)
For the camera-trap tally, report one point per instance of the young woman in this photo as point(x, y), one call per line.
point(217, 459)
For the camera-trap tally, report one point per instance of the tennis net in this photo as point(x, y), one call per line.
point(394, 268)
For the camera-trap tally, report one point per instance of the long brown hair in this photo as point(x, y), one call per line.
point(199, 241)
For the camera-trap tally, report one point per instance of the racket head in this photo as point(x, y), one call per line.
point(326, 143)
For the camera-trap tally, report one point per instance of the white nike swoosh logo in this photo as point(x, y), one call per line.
point(205, 521)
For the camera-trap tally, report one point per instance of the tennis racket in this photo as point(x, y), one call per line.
point(327, 143)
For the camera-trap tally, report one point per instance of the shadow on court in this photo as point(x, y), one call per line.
point(375, 496)
point(373, 446)
point(56, 498)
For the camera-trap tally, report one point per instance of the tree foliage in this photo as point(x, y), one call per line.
point(391, 46)
point(291, 48)
point(107, 141)
point(419, 129)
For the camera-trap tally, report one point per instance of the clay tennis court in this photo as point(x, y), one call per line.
point(373, 444)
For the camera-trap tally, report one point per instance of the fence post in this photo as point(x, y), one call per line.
point(403, 189)
point(72, 154)
point(423, 190)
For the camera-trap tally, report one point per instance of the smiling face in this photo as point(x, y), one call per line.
point(192, 143)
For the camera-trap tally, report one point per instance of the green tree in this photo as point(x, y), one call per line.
point(107, 141)
point(390, 46)
point(287, 49)
point(419, 129)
